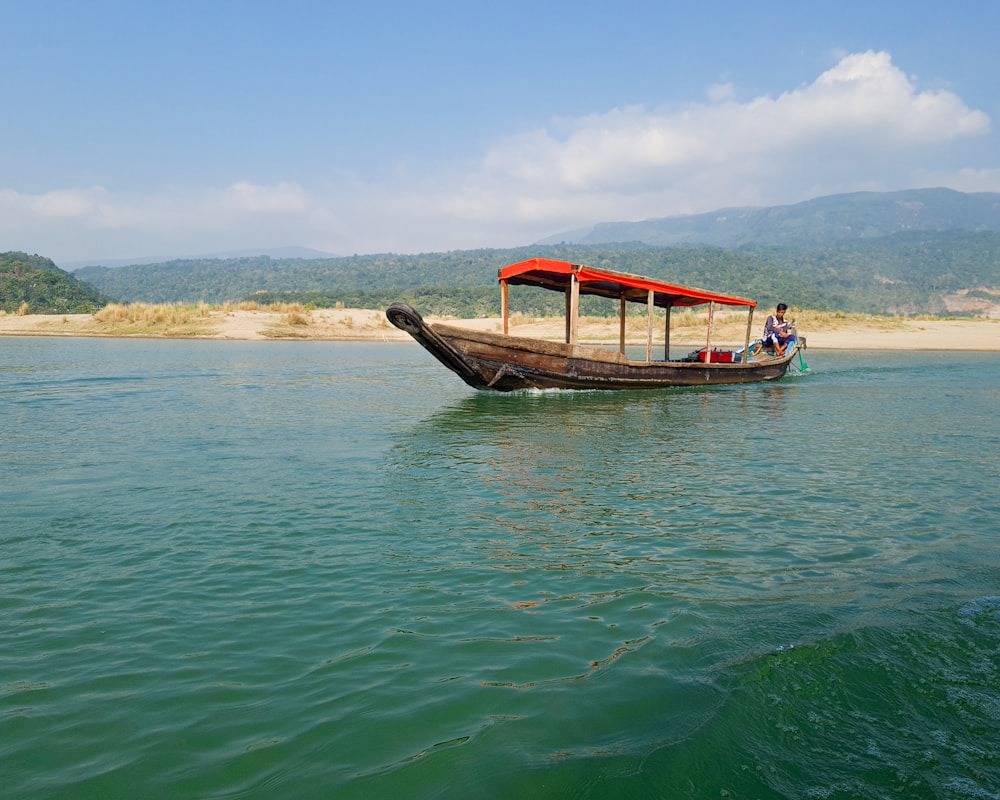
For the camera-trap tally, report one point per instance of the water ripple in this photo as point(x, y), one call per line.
point(248, 570)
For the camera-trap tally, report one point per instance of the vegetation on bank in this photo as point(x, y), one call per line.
point(187, 319)
point(147, 319)
point(908, 273)
point(201, 320)
point(31, 284)
point(296, 321)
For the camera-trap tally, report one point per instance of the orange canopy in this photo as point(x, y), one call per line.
point(557, 275)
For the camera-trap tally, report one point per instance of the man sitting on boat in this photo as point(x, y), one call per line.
point(777, 331)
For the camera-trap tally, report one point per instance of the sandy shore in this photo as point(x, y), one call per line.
point(825, 332)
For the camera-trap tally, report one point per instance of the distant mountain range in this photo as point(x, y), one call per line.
point(824, 221)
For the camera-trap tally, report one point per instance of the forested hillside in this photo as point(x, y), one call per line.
point(904, 273)
point(458, 280)
point(39, 284)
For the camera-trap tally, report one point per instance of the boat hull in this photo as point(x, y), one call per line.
point(505, 363)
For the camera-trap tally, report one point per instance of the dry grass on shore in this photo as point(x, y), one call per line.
point(147, 319)
point(244, 320)
point(252, 321)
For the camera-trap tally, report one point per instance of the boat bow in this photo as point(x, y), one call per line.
point(407, 319)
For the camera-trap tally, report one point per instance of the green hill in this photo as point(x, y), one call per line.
point(903, 273)
point(44, 287)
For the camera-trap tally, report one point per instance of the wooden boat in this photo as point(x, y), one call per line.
point(502, 362)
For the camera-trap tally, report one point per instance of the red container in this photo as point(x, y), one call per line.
point(716, 356)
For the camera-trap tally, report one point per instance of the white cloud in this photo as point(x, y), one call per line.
point(246, 197)
point(862, 124)
point(67, 203)
point(864, 101)
point(720, 92)
point(73, 224)
point(866, 93)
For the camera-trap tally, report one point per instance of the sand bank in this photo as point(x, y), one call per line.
point(826, 332)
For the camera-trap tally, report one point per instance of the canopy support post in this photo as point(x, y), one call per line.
point(573, 311)
point(504, 306)
point(666, 332)
point(621, 324)
point(746, 342)
point(649, 325)
point(708, 341)
point(569, 309)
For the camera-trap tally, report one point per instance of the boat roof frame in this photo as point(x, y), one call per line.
point(558, 276)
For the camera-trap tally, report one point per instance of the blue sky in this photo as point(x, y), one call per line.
point(137, 129)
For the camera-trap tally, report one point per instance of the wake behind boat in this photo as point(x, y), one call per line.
point(505, 363)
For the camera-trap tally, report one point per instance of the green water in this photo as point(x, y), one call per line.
point(255, 570)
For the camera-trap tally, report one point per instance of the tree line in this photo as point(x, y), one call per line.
point(905, 273)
